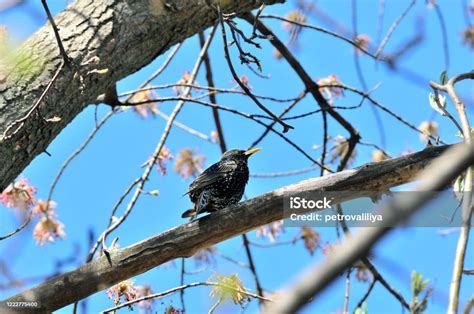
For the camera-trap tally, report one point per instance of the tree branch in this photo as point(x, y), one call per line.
point(185, 240)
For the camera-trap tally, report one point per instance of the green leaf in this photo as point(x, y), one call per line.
point(438, 103)
point(229, 288)
point(417, 283)
point(362, 310)
point(458, 185)
point(154, 193)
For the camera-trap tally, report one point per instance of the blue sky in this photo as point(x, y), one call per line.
point(96, 179)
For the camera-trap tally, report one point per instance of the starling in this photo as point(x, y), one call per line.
point(220, 185)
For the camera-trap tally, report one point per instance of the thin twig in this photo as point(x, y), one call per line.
point(446, 112)
point(285, 111)
point(212, 96)
point(77, 152)
point(345, 309)
point(231, 260)
point(375, 273)
point(323, 30)
point(285, 126)
point(273, 244)
point(33, 108)
point(176, 289)
point(380, 18)
point(23, 225)
point(62, 51)
point(386, 109)
point(163, 67)
point(363, 82)
point(466, 12)
point(284, 173)
point(393, 27)
point(237, 112)
point(111, 226)
point(184, 127)
point(376, 147)
point(384, 282)
point(367, 293)
point(307, 114)
point(325, 138)
point(469, 306)
point(252, 265)
point(137, 193)
point(212, 89)
point(405, 47)
point(181, 282)
point(444, 34)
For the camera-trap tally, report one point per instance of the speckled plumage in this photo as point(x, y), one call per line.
point(220, 185)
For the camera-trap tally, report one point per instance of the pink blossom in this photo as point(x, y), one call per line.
point(271, 231)
point(328, 88)
point(362, 41)
point(184, 80)
point(172, 310)
point(18, 195)
point(148, 107)
point(245, 81)
point(205, 255)
point(189, 163)
point(161, 161)
point(47, 229)
point(45, 207)
point(142, 292)
point(215, 137)
point(125, 289)
point(311, 239)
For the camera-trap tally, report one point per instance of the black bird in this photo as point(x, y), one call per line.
point(220, 185)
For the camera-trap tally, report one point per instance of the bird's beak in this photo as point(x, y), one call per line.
point(252, 151)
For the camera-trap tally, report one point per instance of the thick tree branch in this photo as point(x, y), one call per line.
point(187, 239)
point(124, 36)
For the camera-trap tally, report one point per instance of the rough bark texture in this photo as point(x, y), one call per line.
point(125, 34)
point(187, 239)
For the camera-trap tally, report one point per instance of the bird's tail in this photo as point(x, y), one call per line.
point(189, 213)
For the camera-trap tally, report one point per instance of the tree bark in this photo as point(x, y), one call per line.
point(187, 239)
point(125, 35)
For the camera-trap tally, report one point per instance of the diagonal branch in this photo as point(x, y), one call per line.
point(185, 240)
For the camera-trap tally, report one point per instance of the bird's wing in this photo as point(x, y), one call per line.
point(211, 175)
